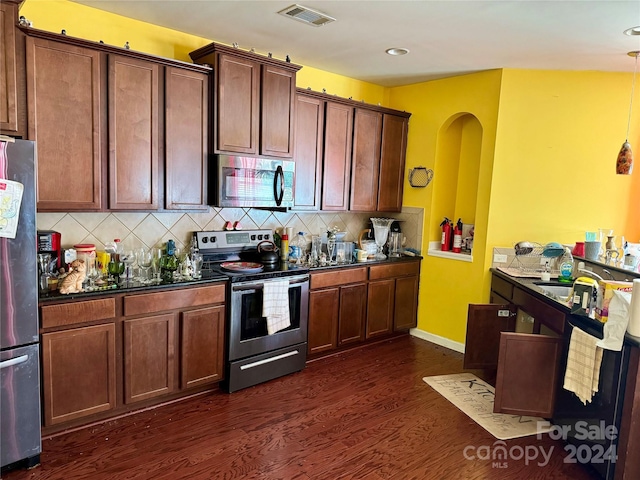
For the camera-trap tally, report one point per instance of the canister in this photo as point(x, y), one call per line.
point(86, 252)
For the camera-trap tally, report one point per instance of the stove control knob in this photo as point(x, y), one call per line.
point(214, 239)
point(266, 237)
point(205, 240)
point(259, 237)
point(253, 238)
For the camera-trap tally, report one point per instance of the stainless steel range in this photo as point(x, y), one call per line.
point(259, 347)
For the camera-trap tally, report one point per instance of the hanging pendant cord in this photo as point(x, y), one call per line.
point(633, 85)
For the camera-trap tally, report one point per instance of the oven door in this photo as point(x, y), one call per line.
point(248, 328)
point(254, 182)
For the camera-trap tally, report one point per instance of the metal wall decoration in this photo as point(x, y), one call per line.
point(420, 177)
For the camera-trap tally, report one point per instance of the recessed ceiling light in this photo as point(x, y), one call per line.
point(397, 51)
point(632, 31)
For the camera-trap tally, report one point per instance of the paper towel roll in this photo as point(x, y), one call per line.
point(634, 310)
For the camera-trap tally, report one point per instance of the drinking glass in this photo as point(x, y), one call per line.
point(316, 249)
point(157, 253)
point(331, 246)
point(144, 258)
point(196, 261)
point(115, 269)
point(341, 253)
point(128, 257)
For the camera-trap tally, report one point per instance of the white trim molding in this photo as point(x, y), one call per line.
point(438, 340)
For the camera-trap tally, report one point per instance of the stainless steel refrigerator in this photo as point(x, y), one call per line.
point(20, 440)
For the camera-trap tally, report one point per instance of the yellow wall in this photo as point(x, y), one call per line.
point(92, 24)
point(547, 170)
point(448, 286)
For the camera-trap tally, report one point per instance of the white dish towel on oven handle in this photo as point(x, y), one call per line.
point(275, 305)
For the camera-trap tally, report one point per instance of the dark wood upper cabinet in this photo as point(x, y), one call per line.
point(66, 116)
point(237, 105)
point(254, 101)
point(186, 149)
point(392, 162)
point(8, 68)
point(133, 134)
point(365, 161)
point(309, 129)
point(278, 107)
point(111, 125)
point(336, 173)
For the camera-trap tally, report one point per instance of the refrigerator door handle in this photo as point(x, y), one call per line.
point(14, 361)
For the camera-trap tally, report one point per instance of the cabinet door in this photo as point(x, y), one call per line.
point(64, 92)
point(202, 346)
point(527, 374)
point(8, 83)
point(79, 372)
point(353, 309)
point(484, 325)
point(337, 156)
point(133, 134)
point(277, 112)
point(308, 152)
point(149, 361)
point(323, 320)
point(186, 137)
point(392, 160)
point(406, 303)
point(380, 307)
point(365, 162)
point(237, 107)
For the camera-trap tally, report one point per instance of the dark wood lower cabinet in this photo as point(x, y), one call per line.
point(119, 353)
point(148, 357)
point(406, 305)
point(79, 372)
point(323, 320)
point(353, 311)
point(380, 307)
point(202, 346)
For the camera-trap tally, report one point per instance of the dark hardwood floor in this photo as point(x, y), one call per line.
point(364, 414)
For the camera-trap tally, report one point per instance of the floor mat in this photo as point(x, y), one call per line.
point(475, 398)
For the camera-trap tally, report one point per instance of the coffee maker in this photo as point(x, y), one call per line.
point(49, 241)
point(395, 240)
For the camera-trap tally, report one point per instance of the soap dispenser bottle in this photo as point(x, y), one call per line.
point(566, 266)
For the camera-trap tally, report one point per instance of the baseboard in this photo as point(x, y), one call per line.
point(438, 340)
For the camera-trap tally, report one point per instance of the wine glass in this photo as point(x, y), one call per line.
point(156, 254)
point(128, 257)
point(144, 258)
point(115, 269)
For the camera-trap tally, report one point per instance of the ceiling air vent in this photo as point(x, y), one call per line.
point(306, 15)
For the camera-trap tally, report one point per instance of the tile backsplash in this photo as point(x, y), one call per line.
point(152, 229)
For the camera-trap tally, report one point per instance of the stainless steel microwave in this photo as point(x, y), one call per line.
point(254, 182)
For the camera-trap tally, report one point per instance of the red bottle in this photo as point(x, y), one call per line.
point(457, 237)
point(445, 243)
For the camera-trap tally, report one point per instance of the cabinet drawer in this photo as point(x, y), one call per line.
point(173, 299)
point(389, 271)
point(338, 277)
point(77, 312)
point(502, 287)
point(543, 313)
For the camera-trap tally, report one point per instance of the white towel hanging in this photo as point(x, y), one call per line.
point(275, 305)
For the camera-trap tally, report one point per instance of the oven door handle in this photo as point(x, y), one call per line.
point(259, 285)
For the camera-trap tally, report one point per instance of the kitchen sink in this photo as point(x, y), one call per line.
point(557, 292)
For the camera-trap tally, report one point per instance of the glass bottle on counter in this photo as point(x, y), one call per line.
point(169, 261)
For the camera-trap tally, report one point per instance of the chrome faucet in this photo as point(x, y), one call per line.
point(595, 275)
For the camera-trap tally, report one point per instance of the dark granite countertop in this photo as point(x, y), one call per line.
point(367, 263)
point(530, 286)
point(130, 287)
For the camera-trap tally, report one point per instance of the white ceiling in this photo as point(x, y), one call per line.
point(445, 38)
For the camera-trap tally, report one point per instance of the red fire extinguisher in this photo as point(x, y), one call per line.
point(457, 237)
point(445, 243)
